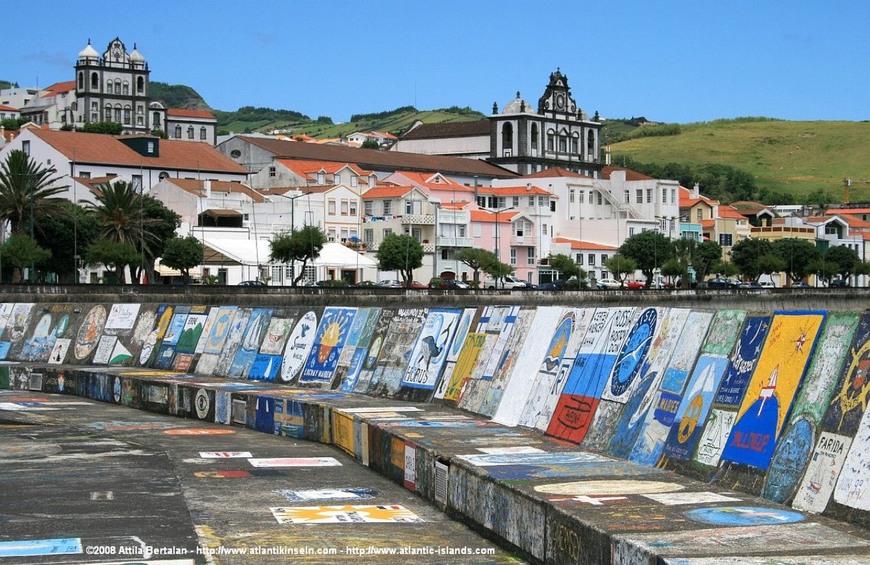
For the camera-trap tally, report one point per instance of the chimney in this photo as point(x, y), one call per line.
point(206, 187)
point(696, 191)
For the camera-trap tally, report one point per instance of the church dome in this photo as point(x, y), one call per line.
point(135, 56)
point(518, 106)
point(89, 52)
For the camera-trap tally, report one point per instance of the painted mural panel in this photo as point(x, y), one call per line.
point(824, 467)
point(590, 373)
point(252, 336)
point(430, 350)
point(192, 331)
point(651, 441)
point(467, 323)
point(530, 357)
point(90, 330)
point(788, 461)
point(853, 488)
point(122, 317)
point(723, 332)
point(849, 399)
point(511, 353)
point(551, 373)
point(626, 421)
point(464, 365)
point(360, 351)
point(328, 342)
point(298, 347)
point(219, 330)
point(396, 351)
point(151, 343)
point(374, 352)
point(497, 323)
point(49, 327)
point(770, 392)
point(715, 436)
point(354, 335)
point(233, 341)
point(743, 361)
point(695, 405)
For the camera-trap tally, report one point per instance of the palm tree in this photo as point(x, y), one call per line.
point(119, 211)
point(27, 192)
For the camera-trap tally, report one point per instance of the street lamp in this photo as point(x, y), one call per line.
point(292, 200)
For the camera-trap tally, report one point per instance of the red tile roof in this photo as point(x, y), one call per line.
point(554, 172)
point(313, 167)
point(687, 200)
point(59, 88)
point(107, 149)
point(514, 190)
point(387, 191)
point(490, 217)
point(8, 108)
point(379, 160)
point(197, 187)
point(730, 212)
point(182, 113)
point(449, 129)
point(585, 245)
point(629, 174)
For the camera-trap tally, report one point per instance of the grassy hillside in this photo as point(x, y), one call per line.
point(790, 157)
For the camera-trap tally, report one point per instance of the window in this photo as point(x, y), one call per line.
point(369, 236)
point(603, 258)
point(534, 139)
point(25, 147)
point(345, 207)
point(551, 140)
point(330, 235)
point(571, 196)
point(95, 81)
point(352, 207)
point(516, 202)
point(591, 259)
point(543, 229)
point(600, 198)
point(368, 208)
point(580, 259)
point(541, 201)
point(83, 174)
point(354, 180)
point(81, 81)
point(337, 178)
point(140, 85)
point(108, 113)
point(627, 196)
point(563, 144)
point(530, 253)
point(664, 195)
point(330, 207)
point(277, 274)
point(127, 115)
point(202, 133)
point(725, 239)
point(126, 89)
point(699, 214)
point(513, 255)
point(673, 196)
point(388, 207)
point(345, 233)
point(271, 171)
point(638, 195)
point(582, 197)
point(118, 114)
point(630, 231)
point(321, 178)
point(137, 182)
point(189, 132)
point(177, 132)
point(531, 200)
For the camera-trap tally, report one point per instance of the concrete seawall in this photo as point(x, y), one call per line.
point(583, 427)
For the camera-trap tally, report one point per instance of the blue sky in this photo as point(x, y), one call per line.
point(669, 60)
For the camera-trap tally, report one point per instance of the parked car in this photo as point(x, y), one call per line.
point(608, 284)
point(838, 283)
point(635, 285)
point(559, 284)
point(751, 285)
point(766, 284)
point(719, 283)
point(801, 284)
point(508, 282)
point(389, 284)
point(448, 284)
point(417, 285)
point(252, 283)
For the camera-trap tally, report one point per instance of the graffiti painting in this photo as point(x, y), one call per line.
point(430, 351)
point(328, 342)
point(299, 345)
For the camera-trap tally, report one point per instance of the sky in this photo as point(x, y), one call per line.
point(674, 61)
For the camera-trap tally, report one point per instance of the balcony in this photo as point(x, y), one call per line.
point(523, 241)
point(455, 242)
point(418, 219)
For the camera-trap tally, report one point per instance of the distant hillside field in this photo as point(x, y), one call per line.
point(784, 156)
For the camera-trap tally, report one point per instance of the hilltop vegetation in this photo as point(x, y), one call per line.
point(805, 160)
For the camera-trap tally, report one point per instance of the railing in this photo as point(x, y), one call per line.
point(418, 219)
point(455, 242)
point(524, 240)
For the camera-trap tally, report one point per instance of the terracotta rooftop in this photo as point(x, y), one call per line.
point(522, 190)
point(197, 187)
point(584, 245)
point(490, 217)
point(96, 148)
point(629, 174)
point(313, 167)
point(379, 160)
point(182, 113)
point(449, 129)
point(555, 172)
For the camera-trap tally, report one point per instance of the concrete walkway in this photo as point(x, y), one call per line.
point(542, 498)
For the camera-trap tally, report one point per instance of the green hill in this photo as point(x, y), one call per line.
point(803, 159)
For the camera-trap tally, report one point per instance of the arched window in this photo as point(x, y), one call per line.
point(108, 113)
point(163, 175)
point(140, 85)
point(563, 141)
point(117, 86)
point(507, 138)
point(575, 143)
point(551, 140)
point(534, 137)
point(81, 81)
point(95, 81)
point(118, 114)
point(590, 144)
point(127, 114)
point(155, 121)
point(202, 133)
point(177, 132)
point(189, 132)
point(126, 88)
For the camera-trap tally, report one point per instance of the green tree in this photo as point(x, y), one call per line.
point(298, 246)
point(401, 253)
point(498, 270)
point(846, 259)
point(110, 128)
point(115, 255)
point(119, 210)
point(649, 249)
point(798, 255)
point(566, 267)
point(771, 263)
point(22, 251)
point(824, 270)
point(622, 266)
point(370, 144)
point(476, 259)
point(673, 269)
point(27, 192)
point(705, 257)
point(183, 253)
point(66, 234)
point(726, 269)
point(746, 256)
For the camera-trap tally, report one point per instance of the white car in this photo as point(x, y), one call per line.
point(389, 284)
point(606, 284)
